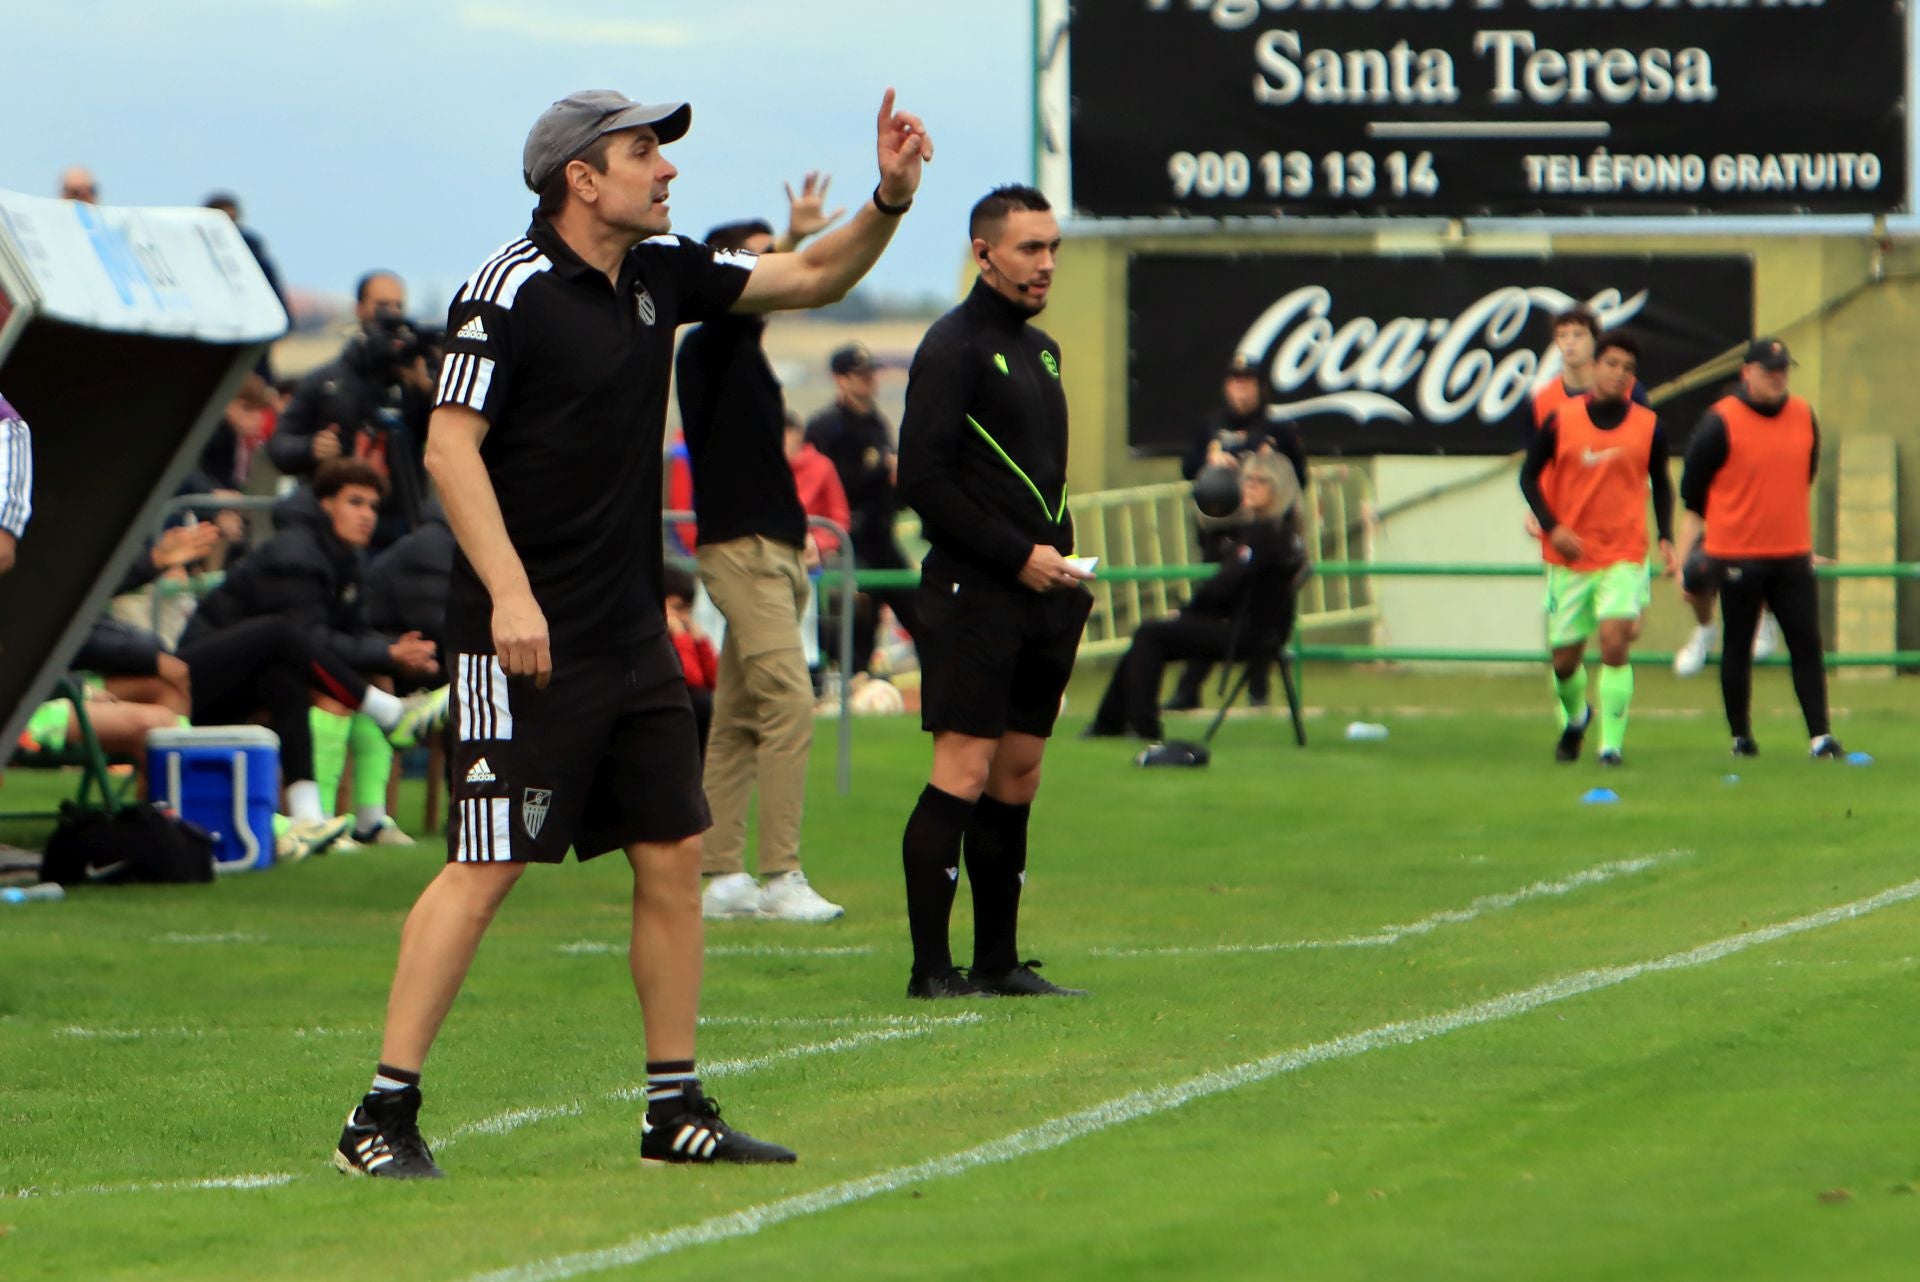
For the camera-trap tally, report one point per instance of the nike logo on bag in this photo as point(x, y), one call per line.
point(481, 773)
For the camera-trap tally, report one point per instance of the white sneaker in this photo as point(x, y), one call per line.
point(1691, 657)
point(790, 898)
point(1766, 637)
point(734, 894)
point(304, 837)
point(387, 833)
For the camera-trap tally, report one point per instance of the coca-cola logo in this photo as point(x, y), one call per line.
point(1439, 369)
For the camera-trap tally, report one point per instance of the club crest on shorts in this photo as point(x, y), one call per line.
point(533, 809)
point(643, 305)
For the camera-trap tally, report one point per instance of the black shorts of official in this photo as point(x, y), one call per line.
point(605, 756)
point(995, 659)
point(1701, 575)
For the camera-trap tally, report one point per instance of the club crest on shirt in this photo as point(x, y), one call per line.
point(643, 305)
point(533, 809)
point(1053, 366)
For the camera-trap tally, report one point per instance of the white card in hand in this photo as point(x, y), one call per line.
point(1083, 564)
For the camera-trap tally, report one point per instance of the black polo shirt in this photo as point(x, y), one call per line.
point(571, 372)
point(735, 419)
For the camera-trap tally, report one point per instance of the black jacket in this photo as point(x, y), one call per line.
point(860, 447)
point(406, 586)
point(303, 574)
point(983, 446)
point(1244, 434)
point(1258, 574)
point(369, 405)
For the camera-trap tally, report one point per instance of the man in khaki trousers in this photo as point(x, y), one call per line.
point(753, 553)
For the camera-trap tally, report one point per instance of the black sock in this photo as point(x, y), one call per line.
point(668, 1079)
point(388, 1078)
point(996, 849)
point(930, 854)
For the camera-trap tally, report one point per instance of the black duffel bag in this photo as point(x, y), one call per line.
point(138, 843)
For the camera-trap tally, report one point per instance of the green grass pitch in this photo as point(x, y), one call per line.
point(1400, 1009)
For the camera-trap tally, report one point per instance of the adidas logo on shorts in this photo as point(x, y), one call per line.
point(481, 773)
point(474, 330)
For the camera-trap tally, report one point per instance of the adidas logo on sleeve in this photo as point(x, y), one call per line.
point(481, 773)
point(475, 330)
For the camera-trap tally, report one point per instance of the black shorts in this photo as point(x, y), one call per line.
point(995, 659)
point(605, 756)
point(1701, 574)
point(116, 649)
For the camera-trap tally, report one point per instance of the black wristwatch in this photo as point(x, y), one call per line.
point(891, 211)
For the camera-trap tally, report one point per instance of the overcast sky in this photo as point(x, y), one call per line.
point(364, 133)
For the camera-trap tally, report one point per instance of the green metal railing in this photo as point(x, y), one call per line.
point(1112, 576)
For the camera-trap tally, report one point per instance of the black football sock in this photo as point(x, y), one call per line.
point(996, 849)
point(668, 1079)
point(388, 1078)
point(930, 855)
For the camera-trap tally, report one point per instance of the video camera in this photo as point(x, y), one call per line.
point(388, 342)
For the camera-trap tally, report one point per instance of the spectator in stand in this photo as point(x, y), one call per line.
point(858, 441)
point(16, 482)
point(820, 495)
point(76, 183)
point(818, 484)
point(309, 575)
point(226, 463)
point(698, 659)
point(229, 204)
point(369, 403)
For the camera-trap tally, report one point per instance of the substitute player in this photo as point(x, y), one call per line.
point(1602, 451)
point(571, 723)
point(983, 459)
point(1749, 482)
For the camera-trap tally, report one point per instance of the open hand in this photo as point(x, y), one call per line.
point(805, 214)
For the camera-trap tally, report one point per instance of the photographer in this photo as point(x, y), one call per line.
point(369, 403)
point(1246, 608)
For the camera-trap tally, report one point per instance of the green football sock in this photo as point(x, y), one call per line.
point(1572, 693)
point(372, 764)
point(330, 732)
point(1616, 696)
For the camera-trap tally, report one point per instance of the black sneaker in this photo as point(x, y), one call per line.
point(944, 984)
point(1826, 748)
point(1610, 757)
point(1744, 746)
point(1568, 749)
point(1021, 981)
point(688, 1130)
point(382, 1138)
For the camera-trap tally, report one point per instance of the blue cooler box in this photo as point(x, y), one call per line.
point(227, 780)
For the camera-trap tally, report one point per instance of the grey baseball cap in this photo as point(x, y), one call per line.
point(565, 129)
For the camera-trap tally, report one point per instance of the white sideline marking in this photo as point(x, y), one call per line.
point(169, 1186)
point(735, 1067)
point(1138, 1104)
point(126, 1034)
point(501, 1123)
point(1387, 935)
point(228, 937)
point(601, 948)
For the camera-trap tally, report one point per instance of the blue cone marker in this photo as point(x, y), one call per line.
point(1859, 759)
point(1599, 797)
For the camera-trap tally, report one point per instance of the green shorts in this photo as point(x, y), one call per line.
point(47, 727)
point(1578, 599)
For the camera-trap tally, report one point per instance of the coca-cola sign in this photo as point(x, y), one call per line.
point(1368, 355)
